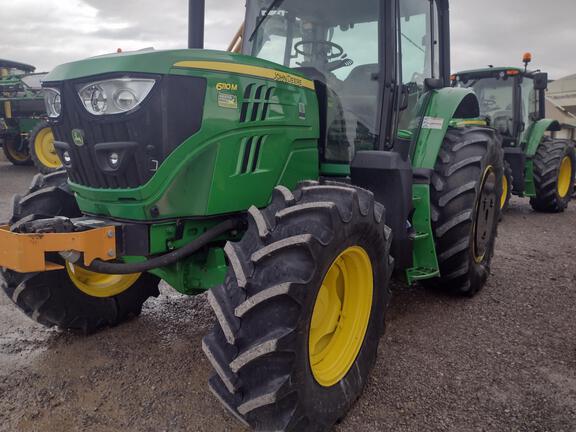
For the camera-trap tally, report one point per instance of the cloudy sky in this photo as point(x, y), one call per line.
point(49, 32)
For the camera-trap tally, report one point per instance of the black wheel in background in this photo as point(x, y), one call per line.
point(16, 150)
point(554, 172)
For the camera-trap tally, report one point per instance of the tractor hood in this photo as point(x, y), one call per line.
point(164, 62)
point(138, 131)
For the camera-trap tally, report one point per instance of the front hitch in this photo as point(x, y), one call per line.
point(30, 252)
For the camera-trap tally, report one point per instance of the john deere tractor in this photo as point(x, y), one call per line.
point(513, 101)
point(290, 181)
point(25, 134)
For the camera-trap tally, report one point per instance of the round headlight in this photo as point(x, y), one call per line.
point(125, 100)
point(66, 157)
point(53, 102)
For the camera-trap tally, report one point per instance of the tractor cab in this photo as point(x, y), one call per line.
point(364, 65)
point(511, 99)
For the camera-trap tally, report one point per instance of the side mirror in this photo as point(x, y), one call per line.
point(540, 81)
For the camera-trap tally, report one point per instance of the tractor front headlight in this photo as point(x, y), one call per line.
point(53, 102)
point(115, 96)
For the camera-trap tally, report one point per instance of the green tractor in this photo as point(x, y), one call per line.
point(25, 133)
point(538, 166)
point(290, 181)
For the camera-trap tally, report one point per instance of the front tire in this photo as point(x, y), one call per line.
point(465, 197)
point(70, 298)
point(277, 315)
point(554, 168)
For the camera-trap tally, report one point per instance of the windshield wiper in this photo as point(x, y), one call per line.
point(273, 5)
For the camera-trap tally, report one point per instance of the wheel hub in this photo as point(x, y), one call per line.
point(485, 220)
point(341, 315)
point(44, 147)
point(98, 284)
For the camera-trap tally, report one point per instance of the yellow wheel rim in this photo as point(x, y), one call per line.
point(486, 205)
point(44, 149)
point(19, 156)
point(97, 284)
point(340, 317)
point(565, 177)
point(504, 192)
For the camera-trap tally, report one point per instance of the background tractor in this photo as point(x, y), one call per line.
point(291, 180)
point(25, 134)
point(513, 100)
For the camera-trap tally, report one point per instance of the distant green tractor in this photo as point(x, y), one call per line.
point(25, 134)
point(513, 101)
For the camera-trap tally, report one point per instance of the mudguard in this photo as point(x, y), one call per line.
point(444, 105)
point(536, 133)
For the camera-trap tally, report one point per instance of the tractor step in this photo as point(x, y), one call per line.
point(424, 252)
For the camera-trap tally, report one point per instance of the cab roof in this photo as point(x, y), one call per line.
point(9, 64)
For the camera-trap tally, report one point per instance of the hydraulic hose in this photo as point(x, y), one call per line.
point(105, 267)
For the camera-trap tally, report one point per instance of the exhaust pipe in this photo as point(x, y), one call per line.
point(196, 11)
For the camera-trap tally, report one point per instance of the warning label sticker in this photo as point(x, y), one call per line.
point(227, 100)
point(433, 123)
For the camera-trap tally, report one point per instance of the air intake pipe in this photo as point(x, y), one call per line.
point(196, 16)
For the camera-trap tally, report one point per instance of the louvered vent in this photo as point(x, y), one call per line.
point(250, 154)
point(256, 103)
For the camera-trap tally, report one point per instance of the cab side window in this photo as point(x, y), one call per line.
point(419, 52)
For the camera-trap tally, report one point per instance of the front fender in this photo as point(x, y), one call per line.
point(536, 133)
point(443, 105)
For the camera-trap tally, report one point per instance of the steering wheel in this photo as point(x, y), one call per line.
point(331, 45)
point(489, 105)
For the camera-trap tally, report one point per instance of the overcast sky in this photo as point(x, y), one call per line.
point(49, 32)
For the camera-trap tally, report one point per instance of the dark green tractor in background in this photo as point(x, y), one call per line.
point(537, 165)
point(25, 135)
point(290, 181)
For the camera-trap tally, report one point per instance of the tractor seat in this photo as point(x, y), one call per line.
point(503, 122)
point(360, 94)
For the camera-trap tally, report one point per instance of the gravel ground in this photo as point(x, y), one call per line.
point(504, 361)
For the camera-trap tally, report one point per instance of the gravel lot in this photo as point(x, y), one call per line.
point(504, 361)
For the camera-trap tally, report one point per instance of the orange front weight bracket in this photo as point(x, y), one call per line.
point(26, 253)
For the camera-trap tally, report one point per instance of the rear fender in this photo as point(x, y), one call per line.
point(443, 106)
point(536, 133)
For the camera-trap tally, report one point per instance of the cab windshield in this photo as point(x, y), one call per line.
point(332, 43)
point(496, 97)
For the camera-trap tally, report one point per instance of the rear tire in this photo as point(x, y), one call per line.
point(554, 185)
point(465, 197)
point(260, 346)
point(51, 298)
point(16, 151)
point(42, 150)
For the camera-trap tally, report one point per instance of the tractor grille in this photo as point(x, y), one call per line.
point(143, 139)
